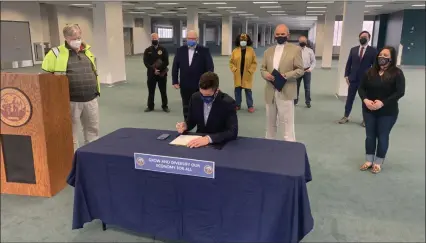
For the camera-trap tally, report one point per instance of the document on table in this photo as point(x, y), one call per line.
point(183, 140)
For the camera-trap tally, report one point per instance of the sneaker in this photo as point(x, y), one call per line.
point(251, 109)
point(343, 120)
point(165, 109)
point(308, 105)
point(148, 110)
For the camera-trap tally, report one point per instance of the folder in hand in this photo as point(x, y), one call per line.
point(279, 80)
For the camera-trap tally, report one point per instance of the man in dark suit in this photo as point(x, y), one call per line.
point(156, 60)
point(360, 59)
point(213, 112)
point(190, 62)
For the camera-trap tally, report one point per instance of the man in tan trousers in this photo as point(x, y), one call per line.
point(286, 58)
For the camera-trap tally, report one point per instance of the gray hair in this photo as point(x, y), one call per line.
point(70, 30)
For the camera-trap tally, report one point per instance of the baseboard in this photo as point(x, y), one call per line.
point(340, 97)
point(326, 68)
point(114, 84)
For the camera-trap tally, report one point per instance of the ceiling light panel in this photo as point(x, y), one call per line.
point(265, 2)
point(214, 3)
point(312, 7)
point(226, 7)
point(270, 7)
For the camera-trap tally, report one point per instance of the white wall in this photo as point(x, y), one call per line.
point(44, 12)
point(28, 12)
point(81, 16)
point(211, 34)
point(139, 37)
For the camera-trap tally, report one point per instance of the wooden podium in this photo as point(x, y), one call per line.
point(36, 134)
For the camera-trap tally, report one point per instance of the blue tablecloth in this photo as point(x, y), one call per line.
point(259, 193)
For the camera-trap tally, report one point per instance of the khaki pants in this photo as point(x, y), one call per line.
point(86, 114)
point(280, 112)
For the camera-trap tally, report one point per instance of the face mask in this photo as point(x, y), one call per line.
point(302, 44)
point(243, 43)
point(281, 39)
point(208, 99)
point(383, 61)
point(363, 40)
point(75, 44)
point(191, 43)
point(154, 42)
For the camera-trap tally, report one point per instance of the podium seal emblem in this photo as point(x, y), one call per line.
point(16, 109)
point(208, 169)
point(140, 161)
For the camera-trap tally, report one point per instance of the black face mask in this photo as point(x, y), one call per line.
point(383, 61)
point(363, 40)
point(154, 42)
point(302, 44)
point(281, 39)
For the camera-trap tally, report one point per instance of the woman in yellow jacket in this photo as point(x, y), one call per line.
point(243, 64)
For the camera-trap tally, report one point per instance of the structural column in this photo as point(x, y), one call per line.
point(108, 36)
point(319, 36)
point(263, 35)
point(272, 35)
point(255, 37)
point(226, 35)
point(218, 35)
point(177, 32)
point(353, 18)
point(245, 27)
point(192, 19)
point(327, 52)
point(204, 34)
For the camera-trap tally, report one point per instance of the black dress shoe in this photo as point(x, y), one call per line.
point(148, 110)
point(167, 110)
point(308, 105)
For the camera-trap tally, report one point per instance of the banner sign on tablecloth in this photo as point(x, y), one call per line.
point(174, 165)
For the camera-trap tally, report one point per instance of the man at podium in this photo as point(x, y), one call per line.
point(75, 60)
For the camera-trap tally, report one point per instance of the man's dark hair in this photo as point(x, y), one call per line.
point(209, 80)
point(238, 39)
point(362, 32)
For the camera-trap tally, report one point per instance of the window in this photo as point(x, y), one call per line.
point(183, 32)
point(165, 32)
point(337, 38)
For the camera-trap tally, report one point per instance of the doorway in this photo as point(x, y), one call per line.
point(16, 50)
point(128, 41)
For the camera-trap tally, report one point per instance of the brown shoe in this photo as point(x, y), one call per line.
point(343, 120)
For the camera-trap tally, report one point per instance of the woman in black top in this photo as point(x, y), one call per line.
point(380, 89)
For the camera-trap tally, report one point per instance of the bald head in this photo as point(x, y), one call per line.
point(281, 33)
point(154, 36)
point(191, 34)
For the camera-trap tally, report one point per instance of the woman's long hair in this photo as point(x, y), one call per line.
point(392, 69)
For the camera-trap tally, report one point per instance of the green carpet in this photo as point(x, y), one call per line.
point(347, 205)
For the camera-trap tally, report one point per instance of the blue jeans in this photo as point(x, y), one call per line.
point(377, 129)
point(238, 97)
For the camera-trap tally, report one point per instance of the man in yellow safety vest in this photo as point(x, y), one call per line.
point(75, 60)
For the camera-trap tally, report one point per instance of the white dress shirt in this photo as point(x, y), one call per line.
point(277, 55)
point(191, 51)
point(308, 57)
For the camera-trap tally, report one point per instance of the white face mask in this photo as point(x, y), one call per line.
point(75, 44)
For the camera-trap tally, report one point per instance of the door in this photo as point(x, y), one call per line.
point(15, 44)
point(128, 41)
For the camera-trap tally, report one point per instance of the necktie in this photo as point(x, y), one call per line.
point(361, 53)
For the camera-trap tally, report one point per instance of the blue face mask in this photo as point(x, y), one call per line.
point(191, 43)
point(208, 99)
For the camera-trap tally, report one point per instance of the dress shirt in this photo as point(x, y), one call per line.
point(206, 110)
point(277, 55)
point(308, 58)
point(191, 51)
point(360, 47)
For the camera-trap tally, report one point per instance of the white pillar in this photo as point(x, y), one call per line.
point(245, 26)
point(263, 35)
point(218, 35)
point(319, 36)
point(327, 52)
point(204, 34)
point(226, 35)
point(146, 31)
point(272, 35)
point(353, 18)
point(192, 20)
point(255, 37)
point(180, 33)
point(108, 44)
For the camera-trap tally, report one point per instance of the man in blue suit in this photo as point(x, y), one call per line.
point(360, 59)
point(191, 61)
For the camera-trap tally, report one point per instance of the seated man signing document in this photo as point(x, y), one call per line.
point(213, 112)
